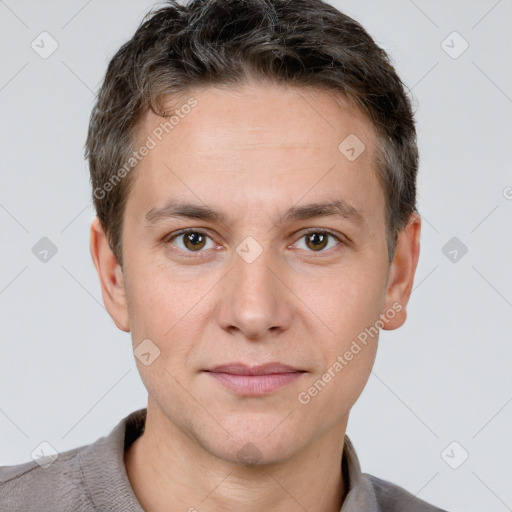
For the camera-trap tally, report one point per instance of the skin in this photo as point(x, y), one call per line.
point(252, 153)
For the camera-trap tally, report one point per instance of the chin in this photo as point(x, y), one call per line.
point(255, 441)
point(250, 454)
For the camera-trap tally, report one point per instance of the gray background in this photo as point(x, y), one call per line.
point(67, 375)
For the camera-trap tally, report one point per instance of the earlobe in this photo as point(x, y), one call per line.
point(402, 272)
point(110, 275)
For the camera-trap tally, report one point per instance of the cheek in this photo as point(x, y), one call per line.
point(347, 358)
point(157, 301)
point(162, 311)
point(332, 394)
point(350, 302)
point(350, 311)
point(167, 311)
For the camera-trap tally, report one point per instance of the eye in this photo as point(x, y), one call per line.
point(195, 240)
point(191, 240)
point(318, 240)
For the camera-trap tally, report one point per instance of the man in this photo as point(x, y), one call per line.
point(253, 166)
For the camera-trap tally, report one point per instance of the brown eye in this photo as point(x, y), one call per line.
point(191, 241)
point(317, 241)
point(194, 241)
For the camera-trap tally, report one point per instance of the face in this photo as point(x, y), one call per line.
point(261, 276)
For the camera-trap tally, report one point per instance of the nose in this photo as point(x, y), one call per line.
point(255, 302)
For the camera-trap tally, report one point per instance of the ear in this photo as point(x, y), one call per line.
point(402, 272)
point(111, 277)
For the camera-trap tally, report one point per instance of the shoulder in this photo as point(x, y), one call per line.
point(37, 486)
point(82, 479)
point(392, 497)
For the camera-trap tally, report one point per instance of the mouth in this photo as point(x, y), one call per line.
point(247, 380)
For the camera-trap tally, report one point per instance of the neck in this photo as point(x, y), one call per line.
point(170, 472)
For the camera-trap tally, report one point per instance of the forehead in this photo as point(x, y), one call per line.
point(254, 143)
point(259, 115)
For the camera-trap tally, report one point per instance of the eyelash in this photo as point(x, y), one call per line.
point(195, 254)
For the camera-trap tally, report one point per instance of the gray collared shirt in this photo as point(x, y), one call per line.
point(93, 478)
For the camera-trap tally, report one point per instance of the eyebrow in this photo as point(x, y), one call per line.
point(179, 209)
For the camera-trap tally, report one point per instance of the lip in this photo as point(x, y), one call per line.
point(254, 380)
point(246, 369)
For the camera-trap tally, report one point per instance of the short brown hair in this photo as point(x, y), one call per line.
point(212, 42)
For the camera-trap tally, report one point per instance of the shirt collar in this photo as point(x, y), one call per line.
point(102, 465)
point(104, 471)
point(361, 495)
